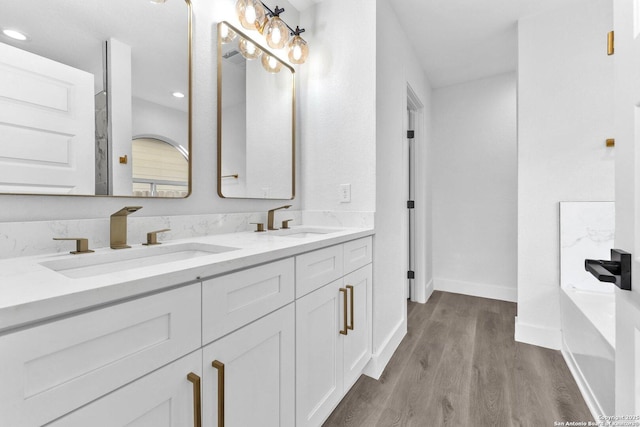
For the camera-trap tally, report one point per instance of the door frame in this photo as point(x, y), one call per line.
point(420, 289)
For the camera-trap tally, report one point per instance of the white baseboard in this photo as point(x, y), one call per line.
point(542, 337)
point(422, 293)
point(483, 290)
point(379, 360)
point(587, 394)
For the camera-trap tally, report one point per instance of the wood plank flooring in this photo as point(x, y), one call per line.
point(460, 366)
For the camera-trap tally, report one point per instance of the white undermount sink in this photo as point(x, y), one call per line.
point(98, 263)
point(302, 231)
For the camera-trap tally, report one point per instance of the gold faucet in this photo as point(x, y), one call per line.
point(270, 216)
point(119, 227)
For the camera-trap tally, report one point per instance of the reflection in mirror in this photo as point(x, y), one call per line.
point(256, 120)
point(84, 80)
point(160, 168)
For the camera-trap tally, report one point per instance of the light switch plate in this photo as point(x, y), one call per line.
point(345, 193)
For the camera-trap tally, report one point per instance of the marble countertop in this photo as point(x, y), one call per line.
point(31, 292)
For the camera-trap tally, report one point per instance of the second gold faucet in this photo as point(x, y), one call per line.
point(271, 215)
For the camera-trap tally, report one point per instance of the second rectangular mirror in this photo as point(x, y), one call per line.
point(256, 120)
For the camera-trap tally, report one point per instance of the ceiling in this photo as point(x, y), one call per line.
point(463, 40)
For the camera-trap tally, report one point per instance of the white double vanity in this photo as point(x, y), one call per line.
point(240, 329)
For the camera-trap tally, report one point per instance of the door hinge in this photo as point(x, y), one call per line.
point(410, 134)
point(610, 43)
point(411, 204)
point(411, 274)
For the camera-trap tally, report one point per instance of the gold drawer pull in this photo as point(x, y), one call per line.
point(220, 367)
point(346, 327)
point(197, 400)
point(351, 291)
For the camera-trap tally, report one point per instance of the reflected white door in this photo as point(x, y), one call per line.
point(627, 114)
point(46, 125)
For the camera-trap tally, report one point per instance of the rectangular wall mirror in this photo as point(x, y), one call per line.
point(256, 119)
point(95, 97)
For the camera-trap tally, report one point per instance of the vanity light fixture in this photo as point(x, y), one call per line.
point(298, 49)
point(227, 35)
point(255, 15)
point(248, 49)
point(15, 34)
point(275, 30)
point(270, 63)
point(251, 14)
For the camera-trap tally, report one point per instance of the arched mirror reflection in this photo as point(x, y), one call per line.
point(160, 168)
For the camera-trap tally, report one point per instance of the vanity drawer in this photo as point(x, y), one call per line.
point(357, 254)
point(317, 268)
point(233, 300)
point(52, 369)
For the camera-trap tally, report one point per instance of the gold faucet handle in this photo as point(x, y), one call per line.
point(82, 244)
point(259, 226)
point(152, 237)
point(285, 223)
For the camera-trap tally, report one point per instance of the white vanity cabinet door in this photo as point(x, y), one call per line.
point(319, 348)
point(258, 387)
point(51, 369)
point(233, 300)
point(317, 268)
point(165, 397)
point(357, 343)
point(357, 254)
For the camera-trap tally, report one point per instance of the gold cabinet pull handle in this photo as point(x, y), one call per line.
point(352, 292)
point(345, 328)
point(220, 367)
point(197, 400)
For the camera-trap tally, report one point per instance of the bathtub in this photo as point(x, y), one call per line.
point(587, 307)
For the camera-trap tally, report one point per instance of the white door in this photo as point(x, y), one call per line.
point(320, 317)
point(357, 342)
point(250, 374)
point(47, 139)
point(627, 114)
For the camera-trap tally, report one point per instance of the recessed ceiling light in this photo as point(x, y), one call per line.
point(178, 94)
point(15, 34)
point(158, 1)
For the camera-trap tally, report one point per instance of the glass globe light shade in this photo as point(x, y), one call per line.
point(248, 49)
point(250, 13)
point(276, 33)
point(226, 34)
point(298, 50)
point(271, 64)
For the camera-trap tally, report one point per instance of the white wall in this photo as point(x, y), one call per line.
point(475, 187)
point(565, 113)
point(337, 101)
point(396, 67)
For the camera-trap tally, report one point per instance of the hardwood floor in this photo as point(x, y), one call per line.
point(459, 366)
